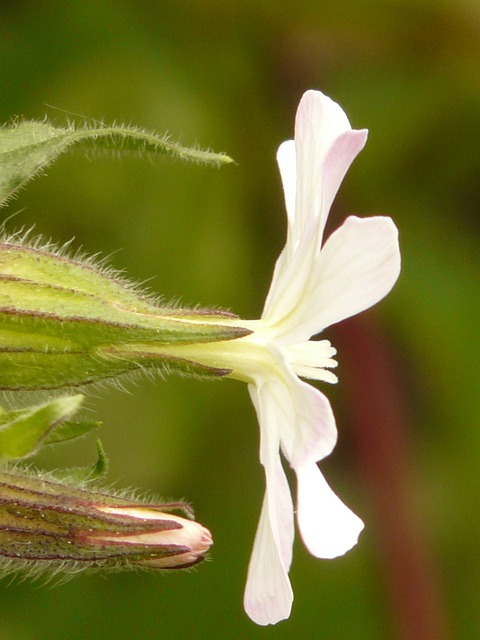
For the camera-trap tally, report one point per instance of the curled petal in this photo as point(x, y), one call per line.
point(299, 414)
point(310, 434)
point(312, 426)
point(328, 527)
point(339, 158)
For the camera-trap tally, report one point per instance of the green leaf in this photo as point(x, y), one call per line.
point(22, 432)
point(70, 430)
point(28, 147)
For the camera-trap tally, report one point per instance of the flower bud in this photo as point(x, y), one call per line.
point(195, 539)
point(67, 322)
point(48, 525)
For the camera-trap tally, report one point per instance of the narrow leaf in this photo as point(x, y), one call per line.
point(70, 430)
point(28, 147)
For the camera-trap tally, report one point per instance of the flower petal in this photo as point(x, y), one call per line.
point(307, 431)
point(337, 162)
point(356, 268)
point(287, 163)
point(290, 284)
point(280, 505)
point(268, 595)
point(328, 527)
point(325, 147)
point(294, 412)
point(312, 168)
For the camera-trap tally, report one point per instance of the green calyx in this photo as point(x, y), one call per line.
point(67, 323)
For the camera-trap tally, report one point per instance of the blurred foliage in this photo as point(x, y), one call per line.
point(228, 76)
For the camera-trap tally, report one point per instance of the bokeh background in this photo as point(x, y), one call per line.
point(228, 75)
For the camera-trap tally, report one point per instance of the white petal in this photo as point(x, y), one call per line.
point(268, 595)
point(321, 160)
point(357, 267)
point(280, 505)
point(287, 163)
point(328, 527)
point(315, 429)
point(290, 283)
point(315, 373)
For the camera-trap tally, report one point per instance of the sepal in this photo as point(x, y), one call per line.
point(84, 475)
point(68, 322)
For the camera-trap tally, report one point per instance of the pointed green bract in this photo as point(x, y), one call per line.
point(83, 475)
point(28, 147)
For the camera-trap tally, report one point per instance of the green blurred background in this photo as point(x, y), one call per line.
point(229, 75)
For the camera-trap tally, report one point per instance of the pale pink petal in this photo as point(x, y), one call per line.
point(325, 145)
point(313, 433)
point(268, 595)
point(339, 158)
point(319, 123)
point(328, 527)
point(294, 412)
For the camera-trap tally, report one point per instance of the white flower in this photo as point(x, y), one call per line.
point(314, 285)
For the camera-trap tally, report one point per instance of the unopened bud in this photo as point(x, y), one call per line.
point(67, 322)
point(48, 525)
point(181, 533)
